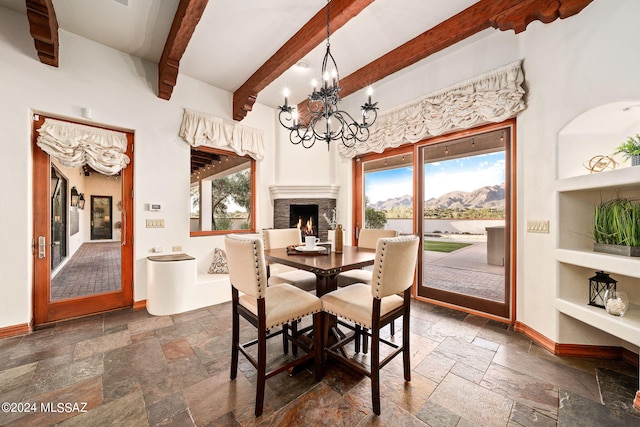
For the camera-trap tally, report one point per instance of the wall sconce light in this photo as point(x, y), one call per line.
point(81, 201)
point(74, 196)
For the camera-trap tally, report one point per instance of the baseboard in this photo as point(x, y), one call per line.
point(577, 350)
point(15, 330)
point(140, 305)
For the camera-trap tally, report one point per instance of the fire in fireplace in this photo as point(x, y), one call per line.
point(305, 218)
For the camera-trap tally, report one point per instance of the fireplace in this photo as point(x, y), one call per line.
point(288, 213)
point(305, 218)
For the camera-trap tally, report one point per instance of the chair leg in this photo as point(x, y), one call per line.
point(262, 371)
point(365, 343)
point(375, 370)
point(358, 337)
point(318, 348)
point(406, 351)
point(392, 327)
point(285, 340)
point(235, 339)
point(294, 334)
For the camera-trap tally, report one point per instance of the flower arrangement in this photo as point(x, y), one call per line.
point(333, 221)
point(630, 149)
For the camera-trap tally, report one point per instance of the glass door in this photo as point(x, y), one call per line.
point(465, 209)
point(384, 192)
point(58, 217)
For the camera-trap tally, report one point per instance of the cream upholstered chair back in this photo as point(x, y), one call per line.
point(247, 267)
point(281, 237)
point(368, 237)
point(394, 266)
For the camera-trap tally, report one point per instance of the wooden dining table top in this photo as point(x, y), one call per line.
point(325, 266)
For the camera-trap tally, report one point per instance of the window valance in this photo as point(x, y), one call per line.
point(76, 145)
point(491, 97)
point(202, 129)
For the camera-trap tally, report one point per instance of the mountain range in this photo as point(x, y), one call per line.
point(487, 197)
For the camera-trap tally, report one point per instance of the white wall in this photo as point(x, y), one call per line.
point(570, 66)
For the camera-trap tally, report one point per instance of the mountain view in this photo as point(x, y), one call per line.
point(488, 197)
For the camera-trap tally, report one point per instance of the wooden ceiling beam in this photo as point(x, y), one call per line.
point(303, 42)
point(501, 14)
point(184, 24)
point(43, 26)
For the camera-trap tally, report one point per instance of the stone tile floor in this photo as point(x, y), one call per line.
point(132, 369)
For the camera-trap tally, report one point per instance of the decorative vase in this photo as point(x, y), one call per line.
point(616, 302)
point(339, 237)
point(331, 237)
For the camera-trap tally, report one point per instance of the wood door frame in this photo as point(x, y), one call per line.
point(507, 315)
point(47, 311)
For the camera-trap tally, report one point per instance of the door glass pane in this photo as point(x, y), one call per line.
point(93, 210)
point(58, 217)
point(464, 211)
point(388, 193)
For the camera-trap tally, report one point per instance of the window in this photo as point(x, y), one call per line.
point(222, 192)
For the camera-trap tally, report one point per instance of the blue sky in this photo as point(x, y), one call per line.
point(464, 174)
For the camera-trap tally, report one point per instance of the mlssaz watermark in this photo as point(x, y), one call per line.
point(48, 407)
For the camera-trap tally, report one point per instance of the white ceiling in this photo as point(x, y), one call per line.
point(234, 38)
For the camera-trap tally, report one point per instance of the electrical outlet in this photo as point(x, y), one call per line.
point(538, 227)
point(176, 248)
point(156, 249)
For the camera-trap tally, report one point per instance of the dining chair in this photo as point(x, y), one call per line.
point(374, 306)
point(367, 238)
point(278, 273)
point(266, 308)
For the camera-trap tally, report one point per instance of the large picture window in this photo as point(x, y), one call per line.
point(222, 192)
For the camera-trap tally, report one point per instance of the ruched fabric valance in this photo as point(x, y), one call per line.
point(75, 145)
point(491, 97)
point(202, 129)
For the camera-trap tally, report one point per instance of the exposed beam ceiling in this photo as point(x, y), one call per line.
point(43, 26)
point(310, 35)
point(502, 14)
point(184, 24)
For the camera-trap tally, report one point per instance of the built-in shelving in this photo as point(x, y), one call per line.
point(577, 197)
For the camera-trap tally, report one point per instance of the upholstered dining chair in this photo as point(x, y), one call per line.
point(373, 306)
point(266, 308)
point(281, 238)
point(367, 238)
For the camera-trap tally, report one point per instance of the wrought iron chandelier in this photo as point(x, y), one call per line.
point(324, 120)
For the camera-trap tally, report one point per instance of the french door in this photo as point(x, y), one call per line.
point(57, 220)
point(456, 192)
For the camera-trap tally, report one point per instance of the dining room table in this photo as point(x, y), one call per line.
point(326, 265)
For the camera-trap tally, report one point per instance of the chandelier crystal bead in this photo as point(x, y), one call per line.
point(323, 119)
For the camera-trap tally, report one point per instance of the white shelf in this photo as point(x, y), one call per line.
point(626, 328)
point(624, 177)
point(628, 266)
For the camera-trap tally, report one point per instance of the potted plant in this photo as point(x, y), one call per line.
point(630, 149)
point(617, 227)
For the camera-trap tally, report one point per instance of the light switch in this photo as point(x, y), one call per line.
point(538, 227)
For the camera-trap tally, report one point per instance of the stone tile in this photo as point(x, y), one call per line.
point(126, 411)
point(150, 324)
point(184, 330)
point(178, 349)
point(546, 371)
point(320, 404)
point(237, 395)
point(192, 315)
point(101, 344)
point(575, 410)
point(464, 352)
point(75, 399)
point(174, 378)
point(524, 389)
point(522, 415)
point(435, 415)
point(470, 401)
point(484, 343)
point(467, 372)
point(618, 390)
point(120, 318)
point(14, 381)
point(138, 359)
point(166, 409)
point(116, 390)
point(50, 378)
point(435, 366)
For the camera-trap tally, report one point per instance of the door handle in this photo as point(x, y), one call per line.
point(124, 228)
point(42, 247)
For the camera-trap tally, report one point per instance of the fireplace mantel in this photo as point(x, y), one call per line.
point(304, 191)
